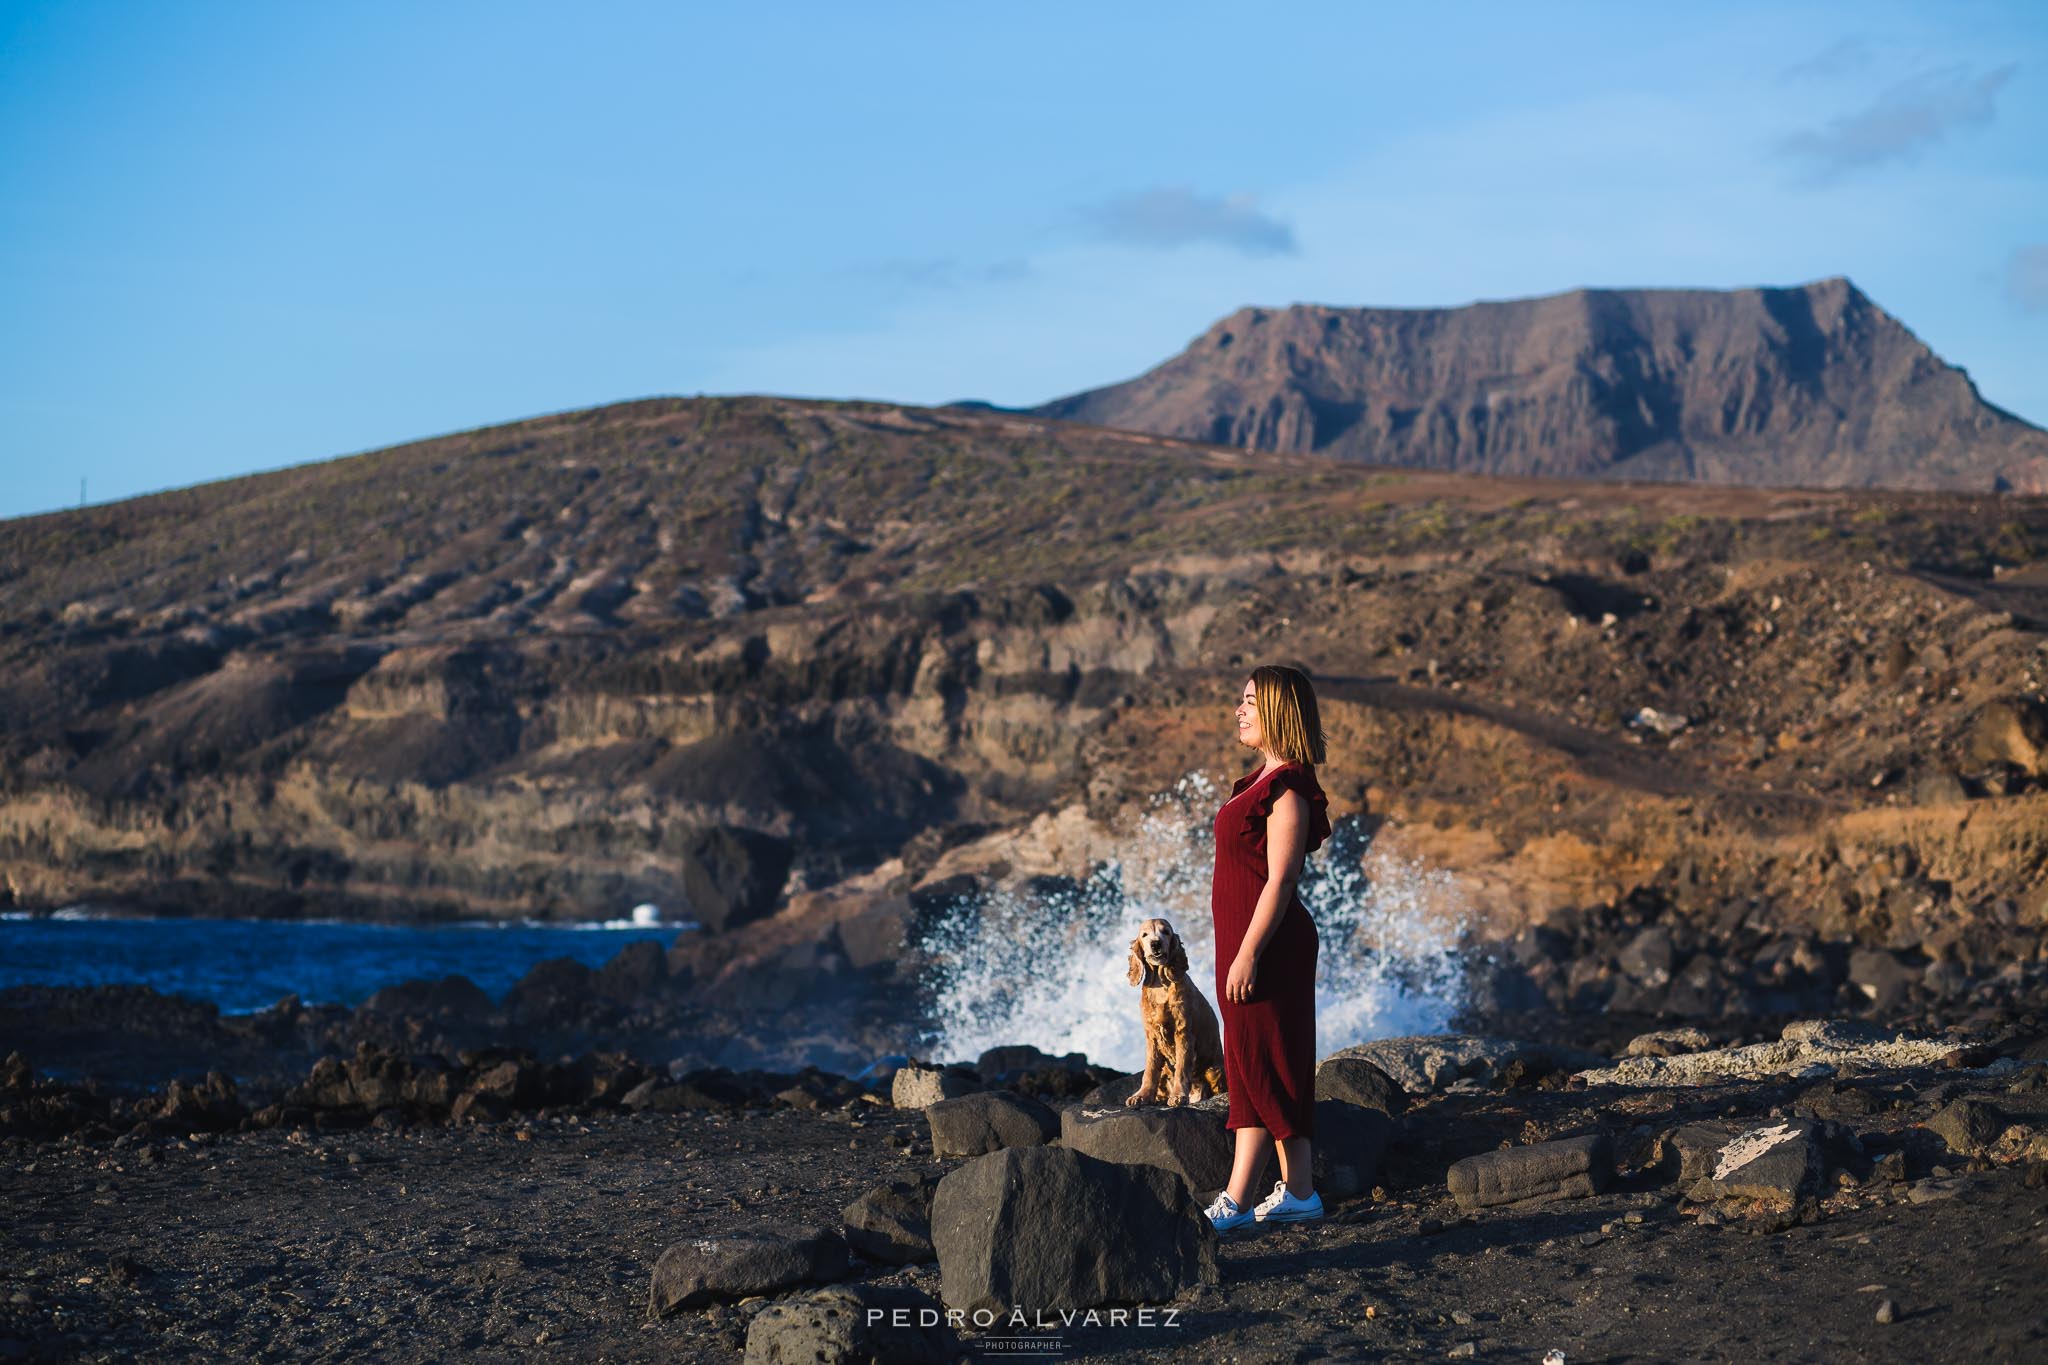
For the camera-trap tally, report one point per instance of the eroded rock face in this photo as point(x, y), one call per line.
point(788, 689)
point(1723, 386)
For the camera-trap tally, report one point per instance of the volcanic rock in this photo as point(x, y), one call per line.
point(1048, 1228)
point(1569, 1168)
point(1349, 1141)
point(853, 1324)
point(1188, 1140)
point(1422, 1064)
point(210, 1106)
point(1777, 1163)
point(920, 1087)
point(1968, 1126)
point(704, 1270)
point(892, 1223)
point(1670, 1042)
point(1358, 1081)
point(971, 1125)
point(1811, 385)
point(1805, 1045)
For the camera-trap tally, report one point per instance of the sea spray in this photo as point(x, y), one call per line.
point(1046, 964)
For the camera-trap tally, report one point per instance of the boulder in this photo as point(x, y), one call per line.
point(1433, 1062)
point(1569, 1168)
point(1776, 1163)
point(1358, 1081)
point(1188, 1140)
point(892, 1223)
point(1350, 1140)
point(853, 1324)
point(1968, 1126)
point(1049, 1228)
point(919, 1087)
point(971, 1125)
point(707, 1270)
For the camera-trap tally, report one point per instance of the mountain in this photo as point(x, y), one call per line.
point(727, 655)
point(1812, 386)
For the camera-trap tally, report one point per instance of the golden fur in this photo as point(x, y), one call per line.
point(1183, 1042)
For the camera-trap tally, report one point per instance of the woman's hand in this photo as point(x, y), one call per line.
point(1244, 972)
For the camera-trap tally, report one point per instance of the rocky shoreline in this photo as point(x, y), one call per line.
point(437, 1173)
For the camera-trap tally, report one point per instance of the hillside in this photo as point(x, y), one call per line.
point(1813, 386)
point(725, 654)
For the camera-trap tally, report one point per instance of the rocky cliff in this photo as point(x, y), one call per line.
point(783, 664)
point(1810, 386)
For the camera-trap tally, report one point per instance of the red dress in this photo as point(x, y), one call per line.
point(1269, 1041)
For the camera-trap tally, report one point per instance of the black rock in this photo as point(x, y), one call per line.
point(1350, 1139)
point(1048, 1228)
point(971, 1125)
point(705, 1270)
point(1775, 1163)
point(1968, 1126)
point(1188, 1140)
point(1569, 1168)
point(1355, 1080)
point(851, 1324)
point(892, 1223)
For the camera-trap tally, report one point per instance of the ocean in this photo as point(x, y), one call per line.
point(245, 965)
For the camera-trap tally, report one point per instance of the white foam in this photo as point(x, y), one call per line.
point(1049, 970)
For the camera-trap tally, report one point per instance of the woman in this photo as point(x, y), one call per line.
point(1266, 949)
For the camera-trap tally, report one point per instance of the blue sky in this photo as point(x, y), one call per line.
point(240, 236)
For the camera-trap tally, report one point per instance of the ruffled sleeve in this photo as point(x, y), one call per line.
point(1268, 791)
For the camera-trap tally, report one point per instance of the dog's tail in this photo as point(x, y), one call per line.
point(1217, 1084)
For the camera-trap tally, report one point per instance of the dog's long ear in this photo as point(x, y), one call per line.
point(1177, 956)
point(1137, 971)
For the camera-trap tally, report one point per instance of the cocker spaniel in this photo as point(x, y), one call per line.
point(1183, 1042)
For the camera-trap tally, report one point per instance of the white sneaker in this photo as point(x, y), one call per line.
point(1224, 1214)
point(1282, 1207)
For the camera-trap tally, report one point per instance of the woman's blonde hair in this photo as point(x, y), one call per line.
point(1287, 713)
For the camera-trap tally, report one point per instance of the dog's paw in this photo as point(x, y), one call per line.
point(1143, 1097)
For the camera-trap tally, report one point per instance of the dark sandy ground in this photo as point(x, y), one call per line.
point(534, 1238)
